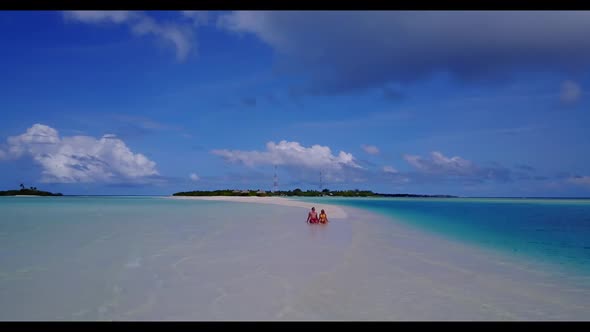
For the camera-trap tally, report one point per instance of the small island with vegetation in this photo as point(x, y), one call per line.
point(32, 191)
point(300, 193)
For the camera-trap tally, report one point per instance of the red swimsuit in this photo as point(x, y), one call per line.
point(314, 218)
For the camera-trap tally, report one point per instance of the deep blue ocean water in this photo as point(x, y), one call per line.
point(555, 231)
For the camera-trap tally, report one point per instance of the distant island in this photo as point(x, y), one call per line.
point(32, 191)
point(300, 193)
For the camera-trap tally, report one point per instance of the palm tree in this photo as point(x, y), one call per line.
point(22, 186)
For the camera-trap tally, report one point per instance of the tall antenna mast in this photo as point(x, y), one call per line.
point(275, 182)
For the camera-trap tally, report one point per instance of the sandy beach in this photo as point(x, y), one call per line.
point(333, 211)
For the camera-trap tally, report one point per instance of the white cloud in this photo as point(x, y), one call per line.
point(370, 149)
point(35, 140)
point(389, 169)
point(570, 92)
point(293, 154)
point(194, 177)
point(579, 180)
point(140, 24)
point(304, 163)
point(71, 159)
point(438, 163)
point(254, 22)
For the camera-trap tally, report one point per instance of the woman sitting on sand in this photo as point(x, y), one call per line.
point(312, 216)
point(323, 217)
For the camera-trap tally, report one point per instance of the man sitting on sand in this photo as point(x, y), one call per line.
point(312, 216)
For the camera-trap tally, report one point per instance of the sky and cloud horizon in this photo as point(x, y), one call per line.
point(131, 102)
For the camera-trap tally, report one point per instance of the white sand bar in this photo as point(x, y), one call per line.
point(376, 269)
point(333, 211)
point(389, 271)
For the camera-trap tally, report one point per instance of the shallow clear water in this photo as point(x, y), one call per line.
point(547, 230)
point(120, 258)
point(150, 258)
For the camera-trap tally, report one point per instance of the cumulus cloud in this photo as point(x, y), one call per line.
point(140, 24)
point(370, 149)
point(440, 165)
point(570, 92)
point(297, 158)
point(291, 153)
point(347, 50)
point(389, 169)
point(72, 159)
point(579, 180)
point(194, 177)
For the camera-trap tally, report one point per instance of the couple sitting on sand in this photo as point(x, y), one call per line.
point(312, 217)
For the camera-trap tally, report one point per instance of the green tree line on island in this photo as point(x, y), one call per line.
point(31, 191)
point(298, 193)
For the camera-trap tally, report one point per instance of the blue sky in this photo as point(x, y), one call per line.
point(462, 103)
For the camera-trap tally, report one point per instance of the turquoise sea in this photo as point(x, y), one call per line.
point(555, 231)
